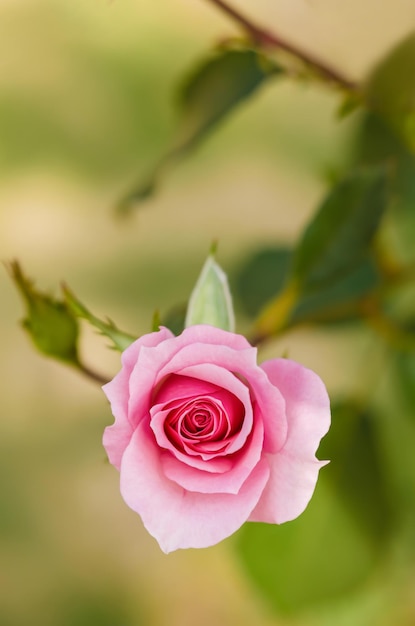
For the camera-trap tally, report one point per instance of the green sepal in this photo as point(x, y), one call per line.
point(120, 339)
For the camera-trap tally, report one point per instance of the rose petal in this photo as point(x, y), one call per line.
point(175, 517)
point(270, 407)
point(236, 361)
point(216, 464)
point(294, 470)
point(221, 376)
point(289, 489)
point(117, 436)
point(215, 336)
point(179, 387)
point(152, 360)
point(202, 480)
point(307, 405)
point(192, 360)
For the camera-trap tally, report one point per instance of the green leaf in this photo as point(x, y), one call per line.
point(340, 234)
point(120, 339)
point(340, 300)
point(264, 275)
point(261, 277)
point(336, 544)
point(175, 318)
point(212, 91)
point(377, 143)
point(333, 266)
point(405, 365)
point(211, 300)
point(390, 89)
point(51, 325)
point(311, 561)
point(357, 469)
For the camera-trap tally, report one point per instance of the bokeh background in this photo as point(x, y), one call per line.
point(85, 107)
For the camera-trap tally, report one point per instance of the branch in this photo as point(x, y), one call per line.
point(92, 375)
point(267, 39)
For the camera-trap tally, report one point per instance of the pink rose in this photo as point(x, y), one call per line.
point(205, 439)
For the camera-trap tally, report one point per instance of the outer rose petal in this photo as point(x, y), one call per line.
point(175, 517)
point(117, 436)
point(294, 470)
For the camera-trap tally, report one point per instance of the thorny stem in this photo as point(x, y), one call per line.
point(266, 39)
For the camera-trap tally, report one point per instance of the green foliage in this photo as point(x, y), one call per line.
point(120, 339)
point(376, 142)
point(212, 91)
point(262, 275)
point(265, 274)
point(341, 300)
point(337, 542)
point(310, 561)
point(211, 300)
point(175, 318)
point(332, 268)
point(106, 608)
point(50, 323)
point(357, 471)
point(390, 90)
point(338, 237)
point(405, 378)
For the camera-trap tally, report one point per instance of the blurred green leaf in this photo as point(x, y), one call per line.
point(264, 275)
point(310, 561)
point(357, 470)
point(405, 377)
point(339, 235)
point(406, 369)
point(49, 322)
point(332, 267)
point(175, 318)
point(261, 277)
point(100, 607)
point(377, 143)
point(390, 89)
point(340, 300)
point(120, 339)
point(211, 300)
point(351, 101)
point(335, 545)
point(210, 93)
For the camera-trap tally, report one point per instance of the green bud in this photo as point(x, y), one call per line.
point(211, 300)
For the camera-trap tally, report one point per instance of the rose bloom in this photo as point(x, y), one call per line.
point(206, 439)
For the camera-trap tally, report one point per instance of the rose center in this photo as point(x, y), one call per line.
point(196, 423)
point(202, 426)
point(197, 420)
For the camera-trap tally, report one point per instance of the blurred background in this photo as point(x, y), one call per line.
point(86, 106)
